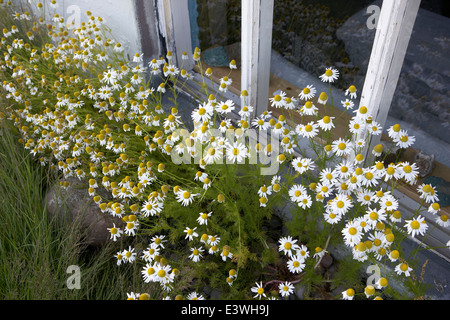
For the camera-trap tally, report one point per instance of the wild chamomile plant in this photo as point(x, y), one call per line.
point(196, 200)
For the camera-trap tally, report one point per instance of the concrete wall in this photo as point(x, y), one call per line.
point(132, 22)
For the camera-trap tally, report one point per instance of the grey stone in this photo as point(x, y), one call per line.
point(75, 206)
point(300, 291)
point(425, 163)
point(326, 261)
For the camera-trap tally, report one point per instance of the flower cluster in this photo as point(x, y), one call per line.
point(88, 113)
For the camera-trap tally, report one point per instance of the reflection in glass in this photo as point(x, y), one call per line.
point(421, 100)
point(314, 35)
point(217, 25)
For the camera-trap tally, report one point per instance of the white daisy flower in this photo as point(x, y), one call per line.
point(190, 233)
point(195, 296)
point(185, 197)
point(259, 290)
point(288, 245)
point(403, 268)
point(403, 140)
point(196, 254)
point(351, 91)
point(285, 289)
point(326, 123)
point(307, 93)
point(309, 109)
point(416, 226)
point(278, 100)
point(348, 294)
point(296, 264)
point(341, 147)
point(224, 108)
point(348, 104)
point(203, 218)
point(330, 75)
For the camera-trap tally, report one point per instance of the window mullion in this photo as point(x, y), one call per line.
point(394, 30)
point(256, 46)
point(175, 26)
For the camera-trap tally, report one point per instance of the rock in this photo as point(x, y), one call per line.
point(300, 291)
point(326, 261)
point(424, 162)
point(74, 205)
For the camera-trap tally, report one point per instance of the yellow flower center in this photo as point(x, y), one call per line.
point(369, 175)
point(369, 290)
point(415, 225)
point(390, 237)
point(390, 171)
point(362, 247)
point(161, 273)
point(323, 96)
point(395, 254)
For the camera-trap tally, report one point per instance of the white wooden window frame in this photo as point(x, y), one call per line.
point(395, 24)
point(256, 43)
point(394, 28)
point(174, 26)
point(256, 48)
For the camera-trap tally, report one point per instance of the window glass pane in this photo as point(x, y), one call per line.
point(216, 30)
point(311, 35)
point(421, 101)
